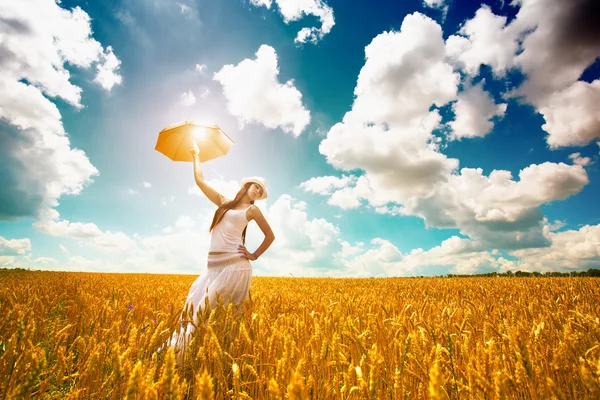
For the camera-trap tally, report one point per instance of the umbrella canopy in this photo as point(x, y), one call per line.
point(175, 141)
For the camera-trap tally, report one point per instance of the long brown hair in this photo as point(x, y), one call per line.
point(228, 205)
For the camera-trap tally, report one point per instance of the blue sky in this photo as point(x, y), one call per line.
point(397, 138)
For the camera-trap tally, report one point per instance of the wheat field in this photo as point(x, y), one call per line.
point(93, 336)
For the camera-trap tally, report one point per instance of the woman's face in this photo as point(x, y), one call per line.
point(255, 191)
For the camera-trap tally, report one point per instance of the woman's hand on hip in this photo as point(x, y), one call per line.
point(247, 254)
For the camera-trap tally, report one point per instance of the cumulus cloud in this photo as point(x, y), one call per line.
point(107, 70)
point(496, 210)
point(303, 245)
point(326, 184)
point(434, 3)
point(180, 250)
point(484, 40)
point(570, 250)
point(552, 42)
point(571, 115)
point(254, 93)
point(577, 159)
point(349, 250)
point(389, 128)
point(205, 92)
point(188, 99)
point(390, 125)
point(404, 74)
point(388, 134)
point(39, 38)
point(184, 222)
point(85, 233)
point(294, 10)
point(457, 255)
point(474, 111)
point(13, 247)
point(8, 261)
point(45, 260)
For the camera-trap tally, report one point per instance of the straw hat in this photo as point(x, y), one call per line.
point(256, 179)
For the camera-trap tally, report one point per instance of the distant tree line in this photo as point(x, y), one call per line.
point(590, 272)
point(594, 272)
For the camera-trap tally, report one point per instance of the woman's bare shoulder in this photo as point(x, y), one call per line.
point(253, 212)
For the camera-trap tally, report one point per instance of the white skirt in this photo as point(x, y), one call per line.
point(227, 275)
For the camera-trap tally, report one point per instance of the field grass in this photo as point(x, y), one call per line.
point(92, 336)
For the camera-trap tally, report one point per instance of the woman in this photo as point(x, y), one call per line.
point(228, 271)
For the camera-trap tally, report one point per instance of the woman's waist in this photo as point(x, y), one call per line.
point(226, 259)
point(224, 253)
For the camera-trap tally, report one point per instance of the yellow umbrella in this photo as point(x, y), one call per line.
point(175, 141)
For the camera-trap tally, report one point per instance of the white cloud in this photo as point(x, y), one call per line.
point(182, 247)
point(184, 222)
point(45, 260)
point(474, 111)
point(8, 261)
point(456, 255)
point(181, 251)
point(147, 185)
point(254, 93)
point(571, 115)
point(201, 68)
point(13, 247)
point(302, 246)
point(294, 10)
point(382, 261)
point(570, 250)
point(326, 184)
point(487, 41)
point(349, 250)
point(389, 129)
point(577, 159)
point(205, 92)
point(552, 43)
point(434, 3)
point(131, 191)
point(496, 210)
point(404, 74)
point(108, 75)
point(185, 9)
point(85, 234)
point(560, 42)
point(39, 38)
point(188, 99)
point(439, 5)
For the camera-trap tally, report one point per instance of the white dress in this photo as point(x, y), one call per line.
point(227, 274)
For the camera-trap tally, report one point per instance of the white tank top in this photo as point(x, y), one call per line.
point(226, 236)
